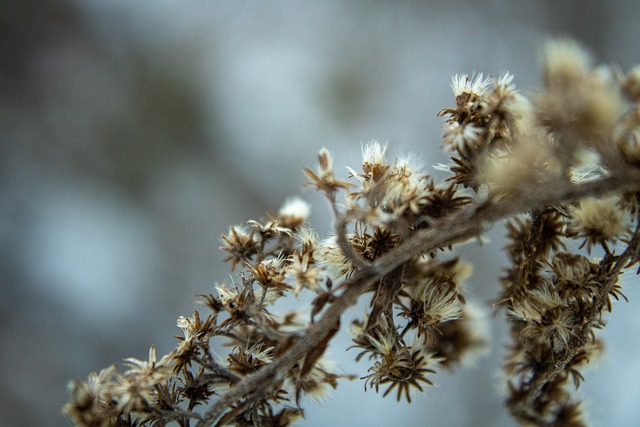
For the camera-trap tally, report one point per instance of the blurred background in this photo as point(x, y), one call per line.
point(133, 133)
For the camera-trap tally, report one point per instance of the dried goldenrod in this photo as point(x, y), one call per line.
point(561, 165)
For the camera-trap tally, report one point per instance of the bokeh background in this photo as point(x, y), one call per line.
point(132, 133)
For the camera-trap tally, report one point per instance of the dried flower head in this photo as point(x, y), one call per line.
point(294, 213)
point(457, 136)
point(587, 166)
point(89, 403)
point(270, 274)
point(565, 62)
point(308, 238)
point(330, 257)
point(152, 368)
point(584, 101)
point(323, 179)
point(374, 164)
point(598, 221)
point(241, 244)
point(304, 272)
point(403, 370)
point(524, 168)
point(631, 84)
point(465, 86)
point(247, 361)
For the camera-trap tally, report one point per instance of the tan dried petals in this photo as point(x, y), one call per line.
point(330, 257)
point(528, 165)
point(158, 370)
point(598, 220)
point(440, 301)
point(584, 100)
point(565, 62)
point(373, 154)
point(304, 273)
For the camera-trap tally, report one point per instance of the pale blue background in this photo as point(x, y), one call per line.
point(133, 132)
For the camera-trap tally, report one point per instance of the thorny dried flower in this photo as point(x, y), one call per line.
point(402, 370)
point(324, 179)
point(561, 165)
point(153, 369)
point(433, 301)
point(241, 245)
point(269, 274)
point(247, 361)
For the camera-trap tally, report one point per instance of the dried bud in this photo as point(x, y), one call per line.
point(325, 160)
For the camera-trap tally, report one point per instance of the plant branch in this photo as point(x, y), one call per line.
point(467, 223)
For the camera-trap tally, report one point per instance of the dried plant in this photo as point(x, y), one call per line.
point(561, 167)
